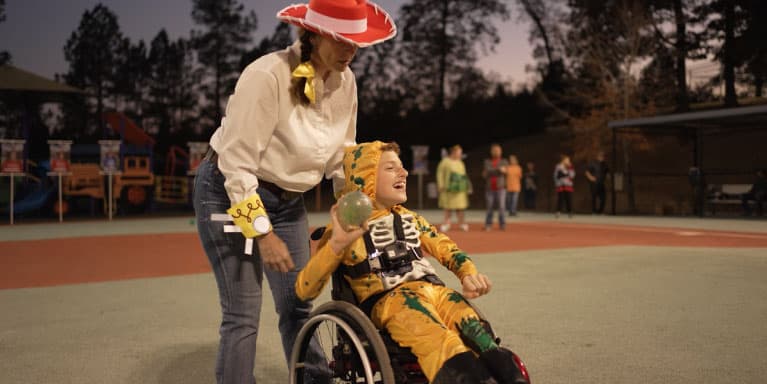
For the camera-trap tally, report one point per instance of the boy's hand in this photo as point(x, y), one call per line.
point(475, 285)
point(341, 237)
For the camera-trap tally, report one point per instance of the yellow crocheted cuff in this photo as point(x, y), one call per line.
point(250, 215)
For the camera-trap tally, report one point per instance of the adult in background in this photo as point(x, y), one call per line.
point(757, 193)
point(513, 184)
point(454, 187)
point(596, 173)
point(286, 125)
point(531, 185)
point(494, 172)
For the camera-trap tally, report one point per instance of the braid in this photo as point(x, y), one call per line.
point(299, 83)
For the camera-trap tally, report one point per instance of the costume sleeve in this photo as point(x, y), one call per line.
point(444, 249)
point(334, 167)
point(315, 275)
point(249, 123)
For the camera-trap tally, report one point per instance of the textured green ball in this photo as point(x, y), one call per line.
point(354, 208)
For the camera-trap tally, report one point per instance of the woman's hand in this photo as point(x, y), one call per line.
point(340, 237)
point(274, 253)
point(475, 285)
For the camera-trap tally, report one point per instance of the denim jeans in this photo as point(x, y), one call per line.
point(512, 198)
point(495, 199)
point(239, 276)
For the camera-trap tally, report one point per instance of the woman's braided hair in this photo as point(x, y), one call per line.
point(298, 83)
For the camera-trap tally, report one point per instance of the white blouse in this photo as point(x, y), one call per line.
point(266, 135)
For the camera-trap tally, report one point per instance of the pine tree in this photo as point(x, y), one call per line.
point(440, 39)
point(5, 57)
point(92, 52)
point(277, 41)
point(171, 98)
point(219, 45)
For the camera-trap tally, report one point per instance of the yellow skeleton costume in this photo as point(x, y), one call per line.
point(394, 282)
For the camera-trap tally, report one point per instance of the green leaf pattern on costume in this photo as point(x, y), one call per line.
point(456, 297)
point(412, 302)
point(473, 330)
point(459, 258)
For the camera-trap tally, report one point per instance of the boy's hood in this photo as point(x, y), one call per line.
point(361, 168)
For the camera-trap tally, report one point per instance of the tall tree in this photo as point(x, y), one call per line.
point(5, 57)
point(606, 43)
point(171, 98)
point(546, 35)
point(754, 45)
point(375, 69)
point(130, 78)
point(683, 44)
point(280, 39)
point(92, 52)
point(226, 32)
point(724, 24)
point(440, 40)
point(545, 17)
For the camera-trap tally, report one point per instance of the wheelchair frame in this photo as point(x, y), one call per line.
point(363, 338)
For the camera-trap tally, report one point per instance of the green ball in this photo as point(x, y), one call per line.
point(354, 208)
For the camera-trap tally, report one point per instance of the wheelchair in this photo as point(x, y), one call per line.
point(353, 349)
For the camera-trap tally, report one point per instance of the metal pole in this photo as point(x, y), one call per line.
point(109, 180)
point(61, 205)
point(699, 192)
point(614, 165)
point(12, 198)
point(420, 191)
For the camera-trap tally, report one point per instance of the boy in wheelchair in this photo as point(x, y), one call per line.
point(397, 287)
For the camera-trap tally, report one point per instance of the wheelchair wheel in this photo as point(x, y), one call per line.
point(349, 345)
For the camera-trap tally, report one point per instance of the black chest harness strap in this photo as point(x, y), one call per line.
point(377, 262)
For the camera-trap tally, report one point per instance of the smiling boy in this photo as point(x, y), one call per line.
point(384, 264)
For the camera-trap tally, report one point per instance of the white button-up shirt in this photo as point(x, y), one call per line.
point(266, 134)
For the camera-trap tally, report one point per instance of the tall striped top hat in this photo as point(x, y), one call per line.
point(358, 22)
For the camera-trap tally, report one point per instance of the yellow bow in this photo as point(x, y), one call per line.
point(306, 70)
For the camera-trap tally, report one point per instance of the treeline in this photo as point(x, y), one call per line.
point(595, 60)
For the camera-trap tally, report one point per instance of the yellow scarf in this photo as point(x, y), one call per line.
point(307, 70)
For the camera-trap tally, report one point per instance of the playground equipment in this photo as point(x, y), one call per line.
point(135, 184)
point(85, 181)
point(170, 188)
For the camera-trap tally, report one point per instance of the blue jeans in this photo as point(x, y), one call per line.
point(512, 199)
point(239, 276)
point(495, 199)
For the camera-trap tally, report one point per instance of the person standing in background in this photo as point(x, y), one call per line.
point(513, 184)
point(454, 188)
point(494, 173)
point(596, 172)
point(531, 185)
point(564, 175)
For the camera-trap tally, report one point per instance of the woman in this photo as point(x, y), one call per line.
point(454, 188)
point(563, 180)
point(291, 115)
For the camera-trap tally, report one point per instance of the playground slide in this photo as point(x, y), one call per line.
point(36, 199)
point(36, 196)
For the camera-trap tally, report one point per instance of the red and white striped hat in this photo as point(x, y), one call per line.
point(357, 22)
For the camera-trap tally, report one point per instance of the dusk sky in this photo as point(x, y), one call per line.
point(35, 31)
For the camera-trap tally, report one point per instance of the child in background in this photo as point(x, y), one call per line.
point(564, 174)
point(513, 184)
